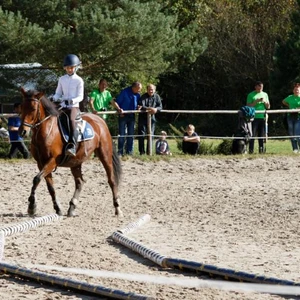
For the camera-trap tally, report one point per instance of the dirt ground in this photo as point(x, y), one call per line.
point(240, 213)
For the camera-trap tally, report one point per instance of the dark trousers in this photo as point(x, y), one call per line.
point(259, 130)
point(126, 127)
point(18, 145)
point(190, 148)
point(142, 132)
point(72, 114)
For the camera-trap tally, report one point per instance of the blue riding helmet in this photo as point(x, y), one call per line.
point(71, 60)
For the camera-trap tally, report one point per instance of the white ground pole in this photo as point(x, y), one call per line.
point(24, 226)
point(60, 281)
point(134, 225)
point(179, 281)
point(119, 237)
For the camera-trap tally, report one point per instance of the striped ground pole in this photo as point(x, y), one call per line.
point(134, 225)
point(181, 264)
point(27, 225)
point(228, 274)
point(139, 248)
point(80, 286)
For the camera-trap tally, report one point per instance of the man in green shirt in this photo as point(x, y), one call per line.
point(260, 101)
point(100, 98)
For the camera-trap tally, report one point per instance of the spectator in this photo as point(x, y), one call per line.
point(260, 101)
point(149, 102)
point(100, 98)
point(16, 141)
point(161, 145)
point(127, 100)
point(191, 141)
point(69, 93)
point(293, 119)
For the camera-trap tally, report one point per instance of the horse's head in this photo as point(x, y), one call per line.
point(31, 112)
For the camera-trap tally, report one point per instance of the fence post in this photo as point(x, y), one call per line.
point(149, 135)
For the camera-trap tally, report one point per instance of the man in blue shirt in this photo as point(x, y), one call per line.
point(127, 100)
point(16, 141)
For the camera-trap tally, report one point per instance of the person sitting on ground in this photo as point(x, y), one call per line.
point(191, 141)
point(161, 145)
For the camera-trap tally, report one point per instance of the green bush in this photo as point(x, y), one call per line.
point(224, 147)
point(207, 148)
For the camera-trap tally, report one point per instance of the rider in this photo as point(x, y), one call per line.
point(69, 92)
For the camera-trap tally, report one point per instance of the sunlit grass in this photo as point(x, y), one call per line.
point(273, 147)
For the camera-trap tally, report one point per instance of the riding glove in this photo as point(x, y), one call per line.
point(69, 102)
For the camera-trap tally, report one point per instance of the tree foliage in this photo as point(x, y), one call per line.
point(204, 54)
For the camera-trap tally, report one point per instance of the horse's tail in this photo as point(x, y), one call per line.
point(117, 166)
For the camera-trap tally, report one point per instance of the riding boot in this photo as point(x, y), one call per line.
point(71, 147)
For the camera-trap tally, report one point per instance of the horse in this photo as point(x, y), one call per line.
point(40, 116)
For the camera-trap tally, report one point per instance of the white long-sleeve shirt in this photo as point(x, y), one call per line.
point(70, 88)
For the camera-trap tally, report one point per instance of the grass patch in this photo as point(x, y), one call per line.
point(211, 147)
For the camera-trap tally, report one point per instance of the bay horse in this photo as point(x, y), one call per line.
point(40, 115)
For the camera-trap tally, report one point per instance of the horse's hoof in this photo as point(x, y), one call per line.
point(58, 210)
point(118, 212)
point(31, 211)
point(71, 212)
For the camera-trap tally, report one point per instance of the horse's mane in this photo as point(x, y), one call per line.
point(49, 106)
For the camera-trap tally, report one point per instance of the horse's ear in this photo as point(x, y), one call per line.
point(41, 94)
point(23, 91)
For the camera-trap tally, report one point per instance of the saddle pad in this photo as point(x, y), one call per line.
point(86, 131)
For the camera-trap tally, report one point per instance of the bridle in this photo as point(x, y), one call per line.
point(38, 115)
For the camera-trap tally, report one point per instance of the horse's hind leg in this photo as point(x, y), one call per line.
point(77, 174)
point(112, 165)
point(56, 205)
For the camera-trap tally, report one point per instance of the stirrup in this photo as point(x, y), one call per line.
point(71, 150)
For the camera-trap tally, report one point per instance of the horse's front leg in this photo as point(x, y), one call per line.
point(32, 205)
point(50, 186)
point(77, 174)
point(44, 171)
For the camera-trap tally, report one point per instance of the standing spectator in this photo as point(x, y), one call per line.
point(127, 100)
point(100, 98)
point(191, 141)
point(161, 145)
point(260, 101)
point(69, 92)
point(293, 119)
point(149, 102)
point(16, 141)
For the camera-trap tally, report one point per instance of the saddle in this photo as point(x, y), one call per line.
point(85, 130)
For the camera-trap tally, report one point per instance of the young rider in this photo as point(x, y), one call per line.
point(69, 92)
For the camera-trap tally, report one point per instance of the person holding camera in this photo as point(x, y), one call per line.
point(100, 98)
point(260, 101)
